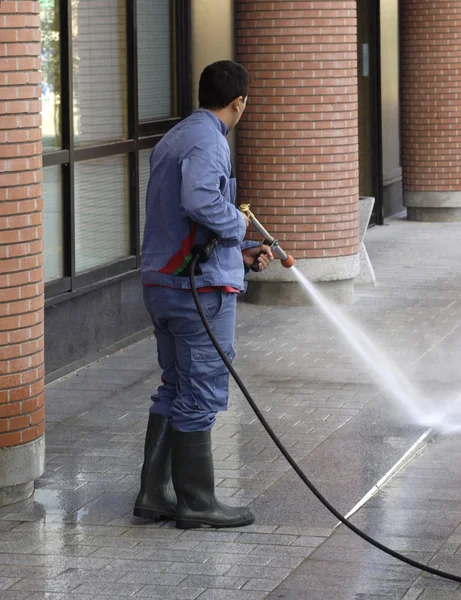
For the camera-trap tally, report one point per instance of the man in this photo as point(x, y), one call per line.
point(191, 197)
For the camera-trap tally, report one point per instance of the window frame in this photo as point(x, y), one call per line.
point(142, 135)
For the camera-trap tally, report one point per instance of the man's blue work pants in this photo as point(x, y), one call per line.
point(195, 380)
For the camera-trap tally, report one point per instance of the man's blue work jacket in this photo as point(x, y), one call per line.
point(191, 196)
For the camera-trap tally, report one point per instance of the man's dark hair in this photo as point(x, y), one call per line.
point(221, 83)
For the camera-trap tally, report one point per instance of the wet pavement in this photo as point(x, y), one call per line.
point(77, 539)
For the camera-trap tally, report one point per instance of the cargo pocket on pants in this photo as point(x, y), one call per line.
point(210, 379)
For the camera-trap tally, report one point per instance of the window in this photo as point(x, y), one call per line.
point(51, 75)
point(53, 223)
point(128, 84)
point(102, 231)
point(99, 61)
point(155, 99)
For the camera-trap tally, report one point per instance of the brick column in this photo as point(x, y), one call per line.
point(431, 109)
point(21, 252)
point(298, 141)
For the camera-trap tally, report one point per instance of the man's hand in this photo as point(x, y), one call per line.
point(247, 220)
point(250, 254)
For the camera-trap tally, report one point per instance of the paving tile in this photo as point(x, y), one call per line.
point(261, 572)
point(254, 528)
point(108, 589)
point(439, 595)
point(230, 548)
point(166, 544)
point(207, 568)
point(58, 596)
point(20, 571)
point(24, 559)
point(232, 595)
point(124, 553)
point(272, 540)
point(309, 541)
point(168, 593)
point(9, 525)
point(43, 585)
point(59, 550)
point(262, 585)
point(292, 562)
point(432, 582)
point(193, 556)
point(152, 532)
point(151, 566)
point(412, 595)
point(215, 582)
point(7, 582)
point(11, 595)
point(211, 536)
point(239, 559)
point(79, 530)
point(145, 578)
point(99, 541)
point(282, 551)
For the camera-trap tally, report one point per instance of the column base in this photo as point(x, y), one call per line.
point(433, 207)
point(16, 493)
point(434, 215)
point(20, 466)
point(277, 286)
point(278, 293)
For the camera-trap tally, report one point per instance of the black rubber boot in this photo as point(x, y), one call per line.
point(193, 480)
point(156, 499)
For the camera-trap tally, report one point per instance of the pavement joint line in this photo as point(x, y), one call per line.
point(437, 343)
point(420, 443)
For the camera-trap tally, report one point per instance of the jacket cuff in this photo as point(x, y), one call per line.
point(249, 244)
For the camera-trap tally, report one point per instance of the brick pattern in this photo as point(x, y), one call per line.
point(21, 229)
point(298, 141)
point(431, 86)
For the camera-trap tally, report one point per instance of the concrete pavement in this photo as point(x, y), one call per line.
point(77, 539)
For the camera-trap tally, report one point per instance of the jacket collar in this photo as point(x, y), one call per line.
point(216, 120)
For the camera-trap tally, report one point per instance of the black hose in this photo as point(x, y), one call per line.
point(290, 459)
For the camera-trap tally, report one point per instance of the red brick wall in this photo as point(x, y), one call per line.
point(21, 231)
point(431, 87)
point(298, 141)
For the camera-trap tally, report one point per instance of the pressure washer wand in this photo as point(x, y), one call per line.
point(286, 259)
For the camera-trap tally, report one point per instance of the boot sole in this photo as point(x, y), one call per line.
point(197, 524)
point(145, 513)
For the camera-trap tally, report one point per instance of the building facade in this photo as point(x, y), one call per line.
point(334, 83)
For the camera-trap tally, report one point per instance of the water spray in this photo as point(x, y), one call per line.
point(202, 253)
point(286, 259)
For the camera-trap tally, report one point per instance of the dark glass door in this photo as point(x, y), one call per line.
point(370, 143)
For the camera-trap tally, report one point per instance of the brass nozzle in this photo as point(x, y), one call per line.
point(245, 208)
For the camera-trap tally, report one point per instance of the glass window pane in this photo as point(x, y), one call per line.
point(155, 59)
point(53, 223)
point(99, 53)
point(144, 172)
point(51, 75)
point(102, 227)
